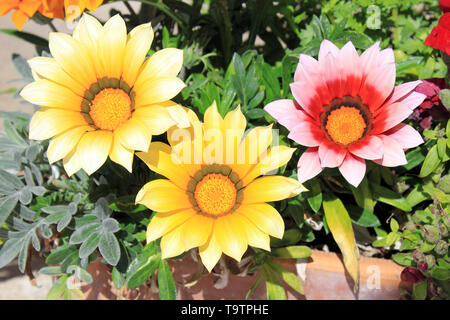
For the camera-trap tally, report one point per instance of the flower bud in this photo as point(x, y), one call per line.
point(411, 275)
point(443, 230)
point(430, 234)
point(430, 260)
point(418, 255)
point(441, 248)
point(422, 265)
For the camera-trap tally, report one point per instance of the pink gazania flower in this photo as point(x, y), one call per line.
point(348, 110)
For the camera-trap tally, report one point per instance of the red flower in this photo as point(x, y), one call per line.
point(444, 5)
point(439, 38)
point(411, 275)
point(431, 108)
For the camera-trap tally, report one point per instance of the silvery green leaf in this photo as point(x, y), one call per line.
point(55, 209)
point(10, 180)
point(23, 254)
point(25, 196)
point(22, 66)
point(29, 178)
point(111, 225)
point(32, 152)
point(102, 210)
point(64, 222)
point(81, 234)
point(89, 245)
point(38, 190)
point(26, 213)
point(46, 232)
point(72, 208)
point(37, 173)
point(51, 271)
point(109, 248)
point(7, 204)
point(35, 241)
point(9, 251)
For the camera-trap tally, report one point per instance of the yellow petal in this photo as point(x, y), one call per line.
point(48, 122)
point(196, 231)
point(162, 64)
point(156, 118)
point(172, 244)
point(161, 195)
point(210, 252)
point(49, 69)
point(72, 57)
point(265, 217)
point(178, 114)
point(271, 188)
point(276, 157)
point(164, 222)
point(158, 90)
point(93, 149)
point(111, 46)
point(62, 144)
point(138, 44)
point(255, 236)
point(49, 94)
point(87, 33)
point(195, 129)
point(121, 155)
point(71, 162)
point(134, 135)
point(160, 159)
point(213, 136)
point(231, 236)
point(234, 128)
point(235, 120)
point(252, 148)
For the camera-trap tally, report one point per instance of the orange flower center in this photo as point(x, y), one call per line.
point(110, 108)
point(346, 120)
point(345, 125)
point(215, 194)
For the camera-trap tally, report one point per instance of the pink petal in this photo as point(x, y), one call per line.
point(405, 135)
point(389, 117)
point(393, 153)
point(352, 72)
point(369, 148)
point(401, 91)
point(353, 169)
point(307, 97)
point(307, 65)
point(386, 56)
point(333, 73)
point(413, 100)
point(285, 112)
point(308, 165)
point(331, 155)
point(369, 58)
point(307, 134)
point(378, 86)
point(327, 47)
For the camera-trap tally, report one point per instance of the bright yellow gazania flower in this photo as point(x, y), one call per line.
point(100, 98)
point(212, 199)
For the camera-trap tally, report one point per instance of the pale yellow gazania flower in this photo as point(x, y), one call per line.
point(100, 97)
point(214, 199)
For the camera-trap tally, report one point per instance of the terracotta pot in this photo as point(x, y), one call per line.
point(326, 279)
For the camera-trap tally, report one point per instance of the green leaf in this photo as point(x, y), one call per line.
point(394, 225)
point(275, 290)
point(403, 259)
point(294, 252)
point(363, 195)
point(118, 278)
point(290, 278)
point(109, 248)
point(144, 271)
point(314, 196)
point(340, 226)
point(58, 288)
point(390, 197)
point(254, 286)
point(166, 284)
point(420, 290)
point(9, 250)
point(440, 273)
point(417, 195)
point(38, 41)
point(362, 217)
point(442, 149)
point(82, 233)
point(7, 204)
point(444, 96)
point(51, 271)
point(430, 163)
point(89, 245)
point(127, 204)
